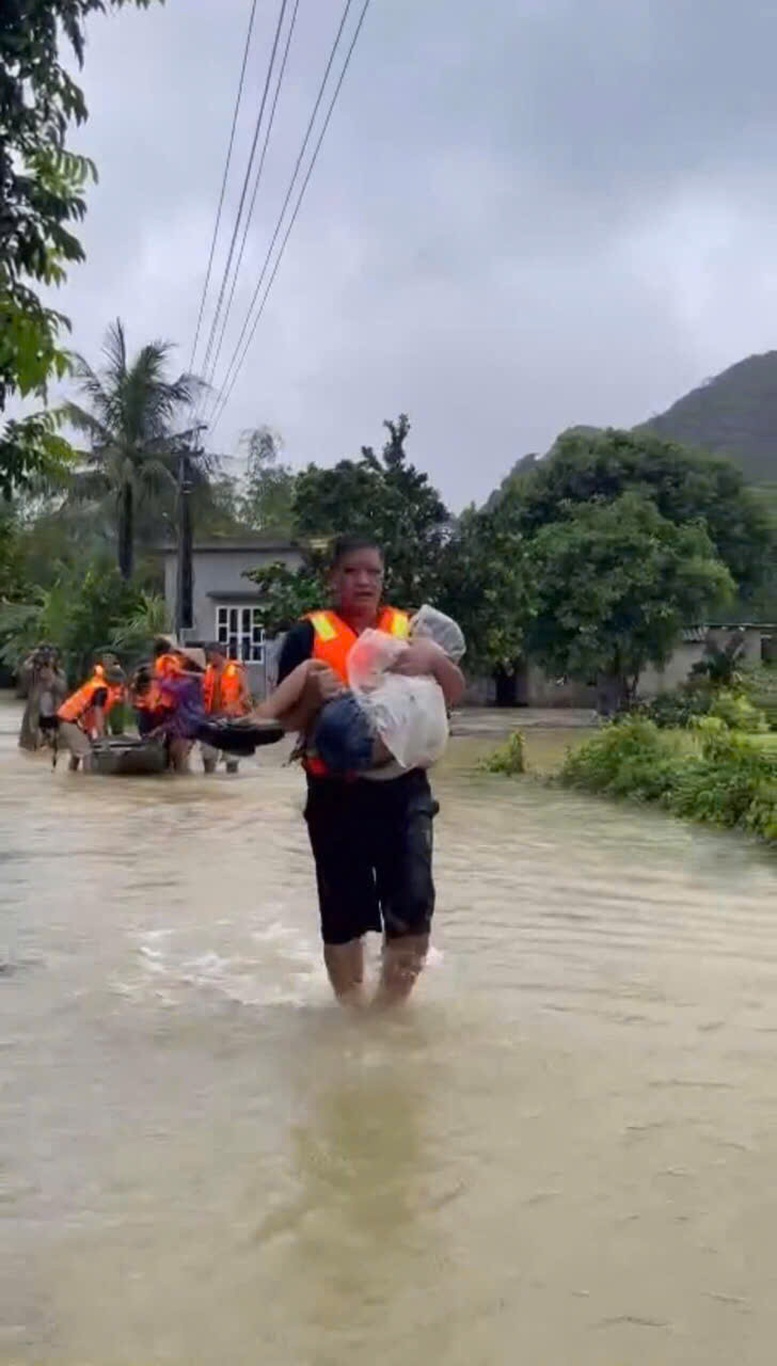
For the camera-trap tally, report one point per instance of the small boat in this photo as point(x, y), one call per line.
point(131, 756)
point(127, 756)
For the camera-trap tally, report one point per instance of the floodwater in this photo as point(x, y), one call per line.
point(562, 1154)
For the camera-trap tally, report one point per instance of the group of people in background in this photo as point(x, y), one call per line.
point(182, 696)
point(368, 689)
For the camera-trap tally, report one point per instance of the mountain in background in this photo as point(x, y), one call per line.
point(734, 414)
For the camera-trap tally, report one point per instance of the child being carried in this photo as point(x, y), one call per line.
point(382, 717)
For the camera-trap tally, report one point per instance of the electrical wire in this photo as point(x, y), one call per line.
point(244, 191)
point(232, 373)
point(257, 181)
point(227, 164)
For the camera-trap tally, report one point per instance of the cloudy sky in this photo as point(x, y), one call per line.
point(526, 214)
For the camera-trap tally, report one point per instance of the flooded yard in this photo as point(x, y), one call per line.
point(562, 1152)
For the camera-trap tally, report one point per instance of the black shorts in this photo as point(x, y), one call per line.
point(372, 844)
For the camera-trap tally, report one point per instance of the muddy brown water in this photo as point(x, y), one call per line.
point(562, 1154)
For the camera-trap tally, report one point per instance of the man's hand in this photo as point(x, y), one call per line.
point(322, 683)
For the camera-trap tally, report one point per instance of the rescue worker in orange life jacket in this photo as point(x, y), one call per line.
point(82, 715)
point(371, 836)
point(226, 694)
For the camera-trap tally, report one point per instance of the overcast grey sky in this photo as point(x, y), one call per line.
point(526, 214)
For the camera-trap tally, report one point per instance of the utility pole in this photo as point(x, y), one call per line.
point(184, 608)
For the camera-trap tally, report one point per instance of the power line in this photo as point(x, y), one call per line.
point(246, 181)
point(257, 181)
point(229, 382)
point(289, 192)
point(219, 210)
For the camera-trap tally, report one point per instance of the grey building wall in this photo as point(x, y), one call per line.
point(218, 571)
point(538, 689)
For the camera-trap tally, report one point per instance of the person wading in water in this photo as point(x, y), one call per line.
point(371, 836)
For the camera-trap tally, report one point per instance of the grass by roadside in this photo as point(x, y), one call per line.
point(706, 773)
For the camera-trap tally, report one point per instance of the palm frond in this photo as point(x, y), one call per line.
point(88, 423)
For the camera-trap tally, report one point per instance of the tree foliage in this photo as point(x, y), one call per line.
point(82, 613)
point(683, 485)
point(266, 501)
point(288, 594)
point(615, 584)
point(484, 582)
point(42, 187)
point(382, 496)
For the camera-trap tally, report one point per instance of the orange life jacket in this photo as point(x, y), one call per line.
point(78, 707)
point(332, 644)
point(224, 690)
point(155, 698)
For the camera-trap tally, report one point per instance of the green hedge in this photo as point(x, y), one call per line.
point(737, 707)
point(710, 773)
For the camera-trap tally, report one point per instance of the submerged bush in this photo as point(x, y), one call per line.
point(738, 712)
point(760, 686)
point(718, 775)
point(510, 758)
point(630, 758)
point(679, 707)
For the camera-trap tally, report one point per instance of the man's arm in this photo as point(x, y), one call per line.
point(296, 648)
point(451, 680)
point(425, 659)
point(98, 711)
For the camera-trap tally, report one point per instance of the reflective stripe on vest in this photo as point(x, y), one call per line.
point(334, 639)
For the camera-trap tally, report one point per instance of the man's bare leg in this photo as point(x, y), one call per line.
point(179, 755)
point(345, 966)
point(403, 963)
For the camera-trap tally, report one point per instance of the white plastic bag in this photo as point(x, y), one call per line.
point(409, 714)
point(371, 657)
point(410, 717)
point(444, 631)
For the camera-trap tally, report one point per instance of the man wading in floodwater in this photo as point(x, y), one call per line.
point(371, 836)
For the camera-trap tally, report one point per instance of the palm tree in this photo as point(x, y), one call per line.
point(131, 417)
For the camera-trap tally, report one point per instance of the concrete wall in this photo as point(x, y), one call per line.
point(654, 681)
point(537, 689)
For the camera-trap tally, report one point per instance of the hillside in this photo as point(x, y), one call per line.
point(734, 414)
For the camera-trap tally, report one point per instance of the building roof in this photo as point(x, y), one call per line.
point(696, 635)
point(236, 596)
point(233, 544)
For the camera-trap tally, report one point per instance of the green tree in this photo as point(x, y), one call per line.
point(684, 486)
point(485, 584)
point(131, 422)
point(81, 614)
point(386, 497)
point(266, 502)
point(615, 584)
point(288, 594)
point(42, 197)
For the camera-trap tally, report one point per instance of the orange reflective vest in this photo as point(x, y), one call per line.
point(155, 699)
point(224, 690)
point(334, 640)
point(332, 644)
point(78, 707)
